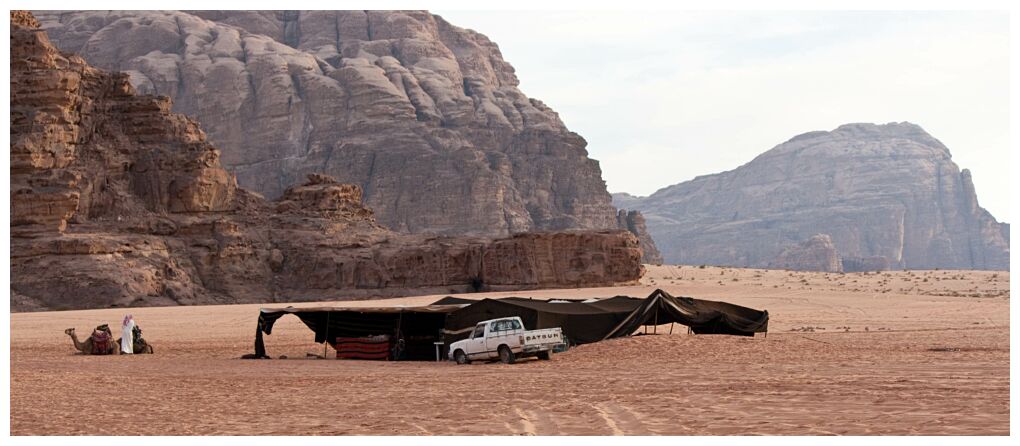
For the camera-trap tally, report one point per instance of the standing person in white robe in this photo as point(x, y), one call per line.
point(127, 341)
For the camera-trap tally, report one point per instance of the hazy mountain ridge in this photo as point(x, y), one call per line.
point(888, 191)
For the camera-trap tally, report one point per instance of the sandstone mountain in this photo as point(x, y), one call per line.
point(886, 195)
point(117, 201)
point(426, 117)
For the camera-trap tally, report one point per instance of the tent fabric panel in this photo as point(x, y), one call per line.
point(618, 303)
point(459, 323)
point(585, 329)
point(397, 309)
point(450, 300)
point(567, 307)
point(704, 317)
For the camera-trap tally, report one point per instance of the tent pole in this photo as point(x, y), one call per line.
point(655, 328)
point(324, 344)
point(671, 324)
point(400, 323)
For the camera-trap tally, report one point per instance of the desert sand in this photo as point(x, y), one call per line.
point(918, 352)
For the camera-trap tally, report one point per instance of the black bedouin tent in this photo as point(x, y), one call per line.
point(451, 319)
point(418, 326)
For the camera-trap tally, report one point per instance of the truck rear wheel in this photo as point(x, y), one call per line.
point(546, 355)
point(506, 356)
point(460, 357)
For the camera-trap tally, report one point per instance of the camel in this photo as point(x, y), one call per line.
point(143, 347)
point(139, 347)
point(86, 347)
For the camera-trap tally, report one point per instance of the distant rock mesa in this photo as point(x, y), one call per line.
point(888, 196)
point(117, 201)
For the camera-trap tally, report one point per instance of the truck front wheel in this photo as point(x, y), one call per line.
point(460, 357)
point(546, 355)
point(506, 356)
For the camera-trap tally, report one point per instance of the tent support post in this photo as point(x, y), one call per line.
point(671, 324)
point(324, 344)
point(397, 337)
point(655, 328)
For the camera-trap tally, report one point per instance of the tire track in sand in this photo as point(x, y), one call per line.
point(609, 421)
point(527, 426)
point(619, 419)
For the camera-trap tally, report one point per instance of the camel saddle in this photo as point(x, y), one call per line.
point(101, 342)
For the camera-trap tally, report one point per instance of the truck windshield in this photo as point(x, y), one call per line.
point(479, 331)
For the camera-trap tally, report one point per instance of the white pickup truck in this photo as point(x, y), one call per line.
point(506, 339)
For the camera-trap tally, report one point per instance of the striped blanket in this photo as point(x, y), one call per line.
point(362, 348)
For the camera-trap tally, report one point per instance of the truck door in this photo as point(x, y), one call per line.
point(497, 335)
point(476, 346)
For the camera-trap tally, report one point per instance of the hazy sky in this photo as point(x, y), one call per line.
point(663, 97)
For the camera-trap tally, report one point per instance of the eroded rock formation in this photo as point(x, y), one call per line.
point(426, 117)
point(888, 195)
point(818, 253)
point(865, 264)
point(814, 254)
point(634, 222)
point(117, 201)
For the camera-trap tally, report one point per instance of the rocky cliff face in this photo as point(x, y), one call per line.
point(634, 222)
point(862, 264)
point(117, 201)
point(426, 117)
point(886, 194)
point(814, 254)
